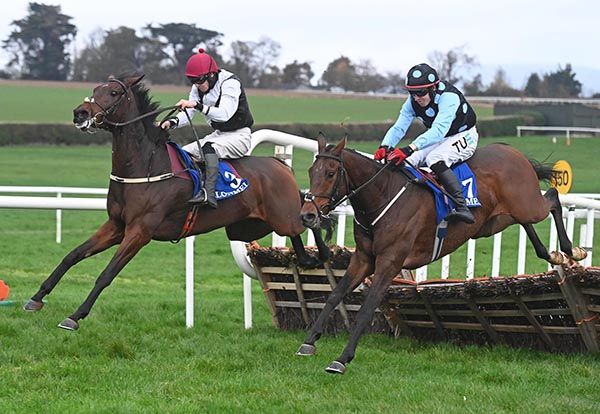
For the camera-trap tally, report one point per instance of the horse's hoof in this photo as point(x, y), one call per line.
point(69, 324)
point(557, 258)
point(306, 350)
point(579, 253)
point(336, 367)
point(33, 306)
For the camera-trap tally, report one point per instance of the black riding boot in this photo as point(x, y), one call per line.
point(207, 194)
point(450, 183)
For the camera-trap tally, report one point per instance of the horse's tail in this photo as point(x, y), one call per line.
point(544, 171)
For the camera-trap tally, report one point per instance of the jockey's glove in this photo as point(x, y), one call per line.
point(382, 152)
point(400, 154)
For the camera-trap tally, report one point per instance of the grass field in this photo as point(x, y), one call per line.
point(55, 104)
point(134, 354)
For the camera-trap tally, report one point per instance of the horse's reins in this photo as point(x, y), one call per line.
point(105, 112)
point(342, 174)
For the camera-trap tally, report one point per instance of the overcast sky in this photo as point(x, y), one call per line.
point(520, 36)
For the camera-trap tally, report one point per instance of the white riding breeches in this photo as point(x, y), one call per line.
point(232, 144)
point(452, 150)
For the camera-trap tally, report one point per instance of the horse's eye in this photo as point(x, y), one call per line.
point(114, 93)
point(330, 174)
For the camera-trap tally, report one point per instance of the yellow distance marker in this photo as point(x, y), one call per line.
point(562, 179)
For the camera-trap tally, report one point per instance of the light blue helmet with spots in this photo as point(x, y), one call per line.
point(421, 76)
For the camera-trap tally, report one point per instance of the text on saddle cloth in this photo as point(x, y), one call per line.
point(468, 183)
point(229, 182)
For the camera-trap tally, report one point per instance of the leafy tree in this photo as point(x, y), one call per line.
point(452, 64)
point(38, 45)
point(296, 74)
point(559, 84)
point(533, 87)
point(180, 41)
point(500, 86)
point(270, 78)
point(367, 78)
point(473, 87)
point(117, 51)
point(394, 82)
point(340, 73)
point(250, 61)
point(562, 83)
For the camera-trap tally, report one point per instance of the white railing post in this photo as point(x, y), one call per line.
point(571, 222)
point(445, 267)
point(341, 229)
point(521, 257)
point(497, 250)
point(189, 281)
point(58, 221)
point(421, 274)
point(589, 236)
point(247, 301)
point(471, 258)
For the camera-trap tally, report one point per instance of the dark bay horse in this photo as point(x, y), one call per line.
point(141, 212)
point(404, 236)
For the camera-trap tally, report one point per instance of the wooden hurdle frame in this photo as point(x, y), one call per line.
point(555, 311)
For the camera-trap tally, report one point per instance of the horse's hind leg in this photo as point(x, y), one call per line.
point(540, 250)
point(133, 241)
point(106, 236)
point(556, 210)
point(576, 253)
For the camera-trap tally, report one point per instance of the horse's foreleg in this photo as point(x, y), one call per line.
point(381, 281)
point(360, 266)
point(324, 252)
point(106, 236)
point(133, 241)
point(304, 260)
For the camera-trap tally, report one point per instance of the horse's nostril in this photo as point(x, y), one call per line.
point(80, 115)
point(308, 219)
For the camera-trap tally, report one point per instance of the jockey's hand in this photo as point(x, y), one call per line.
point(399, 154)
point(169, 123)
point(382, 152)
point(184, 104)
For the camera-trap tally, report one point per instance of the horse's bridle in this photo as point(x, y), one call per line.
point(342, 174)
point(332, 202)
point(107, 111)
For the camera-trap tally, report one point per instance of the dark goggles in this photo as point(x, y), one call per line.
point(198, 80)
point(418, 92)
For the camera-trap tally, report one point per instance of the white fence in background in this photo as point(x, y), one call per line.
point(567, 130)
point(577, 206)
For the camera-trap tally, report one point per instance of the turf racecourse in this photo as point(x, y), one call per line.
point(134, 354)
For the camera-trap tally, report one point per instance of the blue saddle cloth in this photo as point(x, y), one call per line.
point(467, 180)
point(229, 182)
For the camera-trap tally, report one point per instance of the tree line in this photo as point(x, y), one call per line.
point(39, 47)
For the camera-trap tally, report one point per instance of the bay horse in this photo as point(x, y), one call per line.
point(403, 236)
point(158, 210)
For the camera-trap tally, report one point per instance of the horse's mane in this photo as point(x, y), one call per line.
point(145, 104)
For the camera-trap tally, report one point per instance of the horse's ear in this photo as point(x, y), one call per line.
point(321, 141)
point(134, 80)
point(340, 146)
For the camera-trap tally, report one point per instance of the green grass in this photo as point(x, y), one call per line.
point(55, 105)
point(134, 354)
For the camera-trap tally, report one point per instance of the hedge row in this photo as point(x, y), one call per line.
point(66, 134)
